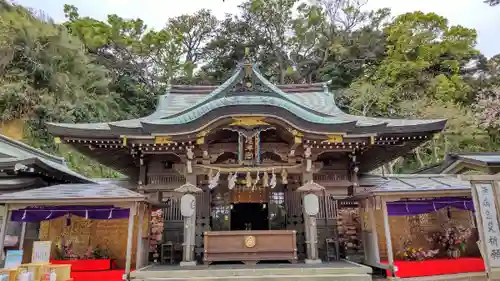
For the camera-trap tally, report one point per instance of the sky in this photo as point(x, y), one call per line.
point(469, 13)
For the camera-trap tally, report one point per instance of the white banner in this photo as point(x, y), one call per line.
point(489, 219)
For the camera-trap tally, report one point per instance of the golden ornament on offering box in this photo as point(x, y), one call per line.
point(250, 241)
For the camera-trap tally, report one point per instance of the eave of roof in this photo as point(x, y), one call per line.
point(486, 159)
point(21, 154)
point(196, 106)
point(74, 194)
point(10, 184)
point(411, 183)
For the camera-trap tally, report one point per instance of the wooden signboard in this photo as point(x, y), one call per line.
point(255, 196)
point(486, 203)
point(41, 252)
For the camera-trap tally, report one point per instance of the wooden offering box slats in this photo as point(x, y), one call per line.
point(251, 246)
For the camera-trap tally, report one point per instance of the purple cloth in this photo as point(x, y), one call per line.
point(418, 207)
point(37, 214)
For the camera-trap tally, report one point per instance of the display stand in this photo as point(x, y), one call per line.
point(63, 271)
point(36, 269)
point(11, 272)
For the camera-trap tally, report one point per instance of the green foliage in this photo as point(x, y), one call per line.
point(86, 70)
point(424, 58)
point(48, 76)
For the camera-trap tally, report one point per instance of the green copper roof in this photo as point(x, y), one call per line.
point(314, 106)
point(256, 99)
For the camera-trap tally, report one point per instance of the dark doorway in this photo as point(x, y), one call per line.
point(251, 216)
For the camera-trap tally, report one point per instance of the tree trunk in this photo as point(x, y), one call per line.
point(419, 157)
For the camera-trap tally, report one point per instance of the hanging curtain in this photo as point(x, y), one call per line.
point(37, 214)
point(418, 207)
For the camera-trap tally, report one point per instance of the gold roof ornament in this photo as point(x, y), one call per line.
point(163, 139)
point(297, 136)
point(247, 64)
point(200, 137)
point(336, 138)
point(250, 121)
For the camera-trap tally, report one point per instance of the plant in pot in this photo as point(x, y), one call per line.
point(99, 253)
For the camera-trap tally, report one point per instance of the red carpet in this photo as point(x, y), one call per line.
point(107, 275)
point(86, 265)
point(437, 267)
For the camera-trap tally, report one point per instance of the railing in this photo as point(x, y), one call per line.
point(342, 176)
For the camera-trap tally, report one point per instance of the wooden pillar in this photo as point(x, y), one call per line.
point(3, 230)
point(130, 235)
point(388, 241)
point(23, 234)
point(140, 245)
point(373, 226)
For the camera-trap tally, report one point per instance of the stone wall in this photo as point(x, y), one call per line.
point(84, 234)
point(13, 129)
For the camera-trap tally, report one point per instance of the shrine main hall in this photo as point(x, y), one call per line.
point(253, 172)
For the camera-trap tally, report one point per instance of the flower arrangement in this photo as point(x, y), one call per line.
point(410, 253)
point(156, 231)
point(64, 251)
point(452, 238)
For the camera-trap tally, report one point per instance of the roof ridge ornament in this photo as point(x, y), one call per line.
point(246, 80)
point(325, 86)
point(247, 63)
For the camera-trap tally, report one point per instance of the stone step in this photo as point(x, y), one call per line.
point(317, 277)
point(335, 271)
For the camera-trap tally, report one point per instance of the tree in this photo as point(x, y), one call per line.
point(195, 30)
point(128, 48)
point(425, 58)
point(47, 76)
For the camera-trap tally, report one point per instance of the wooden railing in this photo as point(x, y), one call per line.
point(163, 179)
